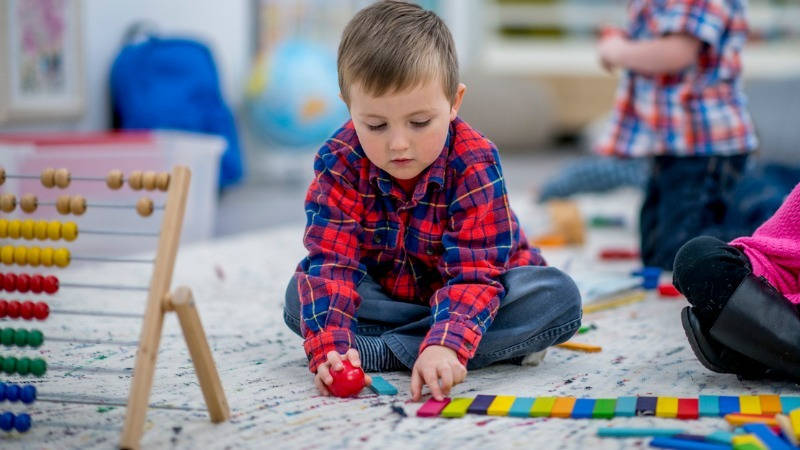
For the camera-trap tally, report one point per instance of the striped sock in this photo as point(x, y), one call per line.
point(376, 355)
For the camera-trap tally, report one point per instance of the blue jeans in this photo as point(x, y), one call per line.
point(542, 307)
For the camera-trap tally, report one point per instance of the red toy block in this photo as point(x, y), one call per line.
point(668, 290)
point(618, 253)
point(687, 408)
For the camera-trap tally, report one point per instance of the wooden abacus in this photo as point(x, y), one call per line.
point(159, 299)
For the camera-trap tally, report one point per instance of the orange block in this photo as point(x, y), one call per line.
point(770, 404)
point(563, 407)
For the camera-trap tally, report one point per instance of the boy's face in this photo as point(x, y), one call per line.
point(404, 132)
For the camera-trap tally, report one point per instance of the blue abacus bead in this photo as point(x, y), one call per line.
point(22, 422)
point(2, 391)
point(12, 392)
point(7, 421)
point(28, 394)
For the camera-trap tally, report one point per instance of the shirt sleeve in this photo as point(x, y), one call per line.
point(328, 276)
point(477, 247)
point(706, 20)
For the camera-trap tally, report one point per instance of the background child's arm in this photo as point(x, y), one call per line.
point(665, 55)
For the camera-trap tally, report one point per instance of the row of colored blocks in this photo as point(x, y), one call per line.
point(606, 408)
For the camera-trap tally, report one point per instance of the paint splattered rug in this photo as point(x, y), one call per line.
point(239, 286)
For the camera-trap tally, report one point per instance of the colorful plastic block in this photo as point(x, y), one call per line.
point(669, 442)
point(790, 403)
point(604, 408)
point(432, 407)
point(786, 427)
point(687, 408)
point(626, 407)
point(770, 404)
point(542, 406)
point(750, 404)
point(481, 404)
point(794, 418)
point(521, 407)
point(646, 406)
point(765, 435)
point(723, 437)
point(667, 407)
point(563, 407)
point(637, 432)
point(741, 419)
point(747, 442)
point(728, 405)
point(381, 386)
point(583, 408)
point(457, 407)
point(709, 406)
point(500, 405)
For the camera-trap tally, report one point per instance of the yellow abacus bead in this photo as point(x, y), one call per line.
point(34, 256)
point(46, 256)
point(14, 229)
point(3, 228)
point(54, 230)
point(69, 231)
point(40, 230)
point(26, 229)
point(61, 257)
point(7, 254)
point(20, 255)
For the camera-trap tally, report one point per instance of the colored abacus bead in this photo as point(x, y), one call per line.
point(28, 394)
point(69, 231)
point(50, 284)
point(77, 205)
point(34, 256)
point(20, 338)
point(12, 392)
point(38, 367)
point(61, 257)
point(144, 207)
point(40, 230)
point(62, 178)
point(149, 180)
point(28, 203)
point(8, 202)
point(23, 282)
point(46, 256)
point(41, 310)
point(135, 180)
point(9, 365)
point(7, 421)
point(35, 338)
point(3, 228)
point(63, 204)
point(114, 179)
point(27, 229)
point(26, 310)
point(2, 175)
point(3, 308)
point(48, 177)
point(2, 386)
point(13, 310)
point(20, 255)
point(162, 181)
point(22, 422)
point(54, 230)
point(36, 284)
point(9, 282)
point(7, 255)
point(14, 229)
point(24, 366)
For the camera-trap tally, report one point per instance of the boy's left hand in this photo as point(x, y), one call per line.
point(439, 368)
point(609, 50)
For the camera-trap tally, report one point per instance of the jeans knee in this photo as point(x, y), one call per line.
point(291, 307)
point(568, 296)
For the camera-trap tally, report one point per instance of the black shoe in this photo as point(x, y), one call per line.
point(759, 322)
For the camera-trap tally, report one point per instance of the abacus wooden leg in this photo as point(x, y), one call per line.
point(182, 302)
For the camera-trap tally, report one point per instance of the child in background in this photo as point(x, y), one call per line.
point(415, 259)
point(744, 317)
point(680, 101)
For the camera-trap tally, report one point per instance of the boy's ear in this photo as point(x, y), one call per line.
point(462, 88)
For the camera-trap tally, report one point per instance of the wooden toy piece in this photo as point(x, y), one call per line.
point(788, 431)
point(481, 404)
point(8, 203)
point(2, 175)
point(62, 178)
point(667, 407)
point(381, 386)
point(583, 408)
point(626, 407)
point(149, 180)
point(604, 408)
point(794, 418)
point(766, 435)
point(63, 205)
point(456, 408)
point(28, 203)
point(622, 432)
point(646, 406)
point(750, 404)
point(77, 205)
point(432, 407)
point(737, 419)
point(747, 442)
point(144, 207)
point(563, 407)
point(500, 405)
point(135, 180)
point(687, 408)
point(708, 406)
point(521, 407)
point(542, 406)
point(615, 302)
point(48, 177)
point(789, 403)
point(162, 181)
point(668, 290)
point(770, 404)
point(728, 405)
point(566, 219)
point(579, 346)
point(114, 179)
point(550, 240)
point(685, 444)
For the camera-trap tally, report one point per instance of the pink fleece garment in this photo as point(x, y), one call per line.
point(774, 248)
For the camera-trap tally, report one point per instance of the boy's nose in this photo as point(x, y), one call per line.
point(398, 142)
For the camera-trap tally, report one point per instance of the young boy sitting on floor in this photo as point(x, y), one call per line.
point(415, 259)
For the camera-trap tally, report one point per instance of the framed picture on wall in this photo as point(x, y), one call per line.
point(41, 61)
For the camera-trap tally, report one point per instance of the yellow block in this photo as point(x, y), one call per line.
point(770, 404)
point(794, 418)
point(786, 427)
point(500, 405)
point(543, 405)
point(667, 407)
point(749, 404)
point(563, 407)
point(743, 439)
point(580, 346)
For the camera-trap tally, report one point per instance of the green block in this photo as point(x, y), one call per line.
point(604, 408)
point(457, 407)
point(542, 406)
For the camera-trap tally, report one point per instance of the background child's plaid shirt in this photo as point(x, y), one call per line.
point(700, 111)
point(445, 246)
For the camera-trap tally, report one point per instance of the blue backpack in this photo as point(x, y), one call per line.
point(173, 84)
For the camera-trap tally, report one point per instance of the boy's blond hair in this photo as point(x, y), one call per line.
point(391, 46)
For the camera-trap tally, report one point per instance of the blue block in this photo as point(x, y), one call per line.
point(772, 441)
point(381, 386)
point(666, 442)
point(646, 406)
point(626, 407)
point(723, 437)
point(481, 404)
point(728, 405)
point(583, 408)
point(637, 432)
point(709, 406)
point(790, 403)
point(521, 407)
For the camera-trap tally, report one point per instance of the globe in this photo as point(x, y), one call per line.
point(292, 98)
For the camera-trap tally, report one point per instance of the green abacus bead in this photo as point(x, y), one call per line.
point(38, 367)
point(35, 338)
point(9, 364)
point(20, 337)
point(7, 337)
point(23, 366)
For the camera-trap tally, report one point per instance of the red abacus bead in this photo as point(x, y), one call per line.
point(13, 309)
point(3, 308)
point(41, 310)
point(23, 282)
point(26, 310)
point(36, 284)
point(10, 282)
point(50, 284)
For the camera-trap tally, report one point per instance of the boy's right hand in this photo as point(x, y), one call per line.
point(323, 378)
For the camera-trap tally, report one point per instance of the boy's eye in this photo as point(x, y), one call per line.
point(376, 127)
point(421, 123)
